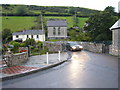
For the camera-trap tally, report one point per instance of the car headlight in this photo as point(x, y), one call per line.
point(73, 47)
point(80, 46)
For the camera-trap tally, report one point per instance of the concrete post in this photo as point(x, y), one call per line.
point(59, 55)
point(47, 58)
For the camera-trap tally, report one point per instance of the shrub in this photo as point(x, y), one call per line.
point(16, 45)
point(36, 49)
point(31, 47)
point(22, 44)
point(30, 41)
point(39, 44)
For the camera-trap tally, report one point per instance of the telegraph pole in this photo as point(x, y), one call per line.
point(42, 23)
point(43, 32)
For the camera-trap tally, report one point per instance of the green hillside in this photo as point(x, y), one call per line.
point(32, 10)
point(18, 23)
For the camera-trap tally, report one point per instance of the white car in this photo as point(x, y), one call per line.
point(73, 46)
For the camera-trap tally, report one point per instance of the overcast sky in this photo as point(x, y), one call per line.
point(92, 4)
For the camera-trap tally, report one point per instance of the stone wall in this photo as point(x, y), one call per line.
point(115, 47)
point(93, 47)
point(53, 47)
point(114, 51)
point(16, 59)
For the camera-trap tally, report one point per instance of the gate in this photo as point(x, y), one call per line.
point(105, 49)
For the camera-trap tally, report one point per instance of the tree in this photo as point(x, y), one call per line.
point(6, 35)
point(77, 35)
point(39, 44)
point(75, 21)
point(30, 41)
point(72, 10)
point(110, 10)
point(21, 10)
point(98, 25)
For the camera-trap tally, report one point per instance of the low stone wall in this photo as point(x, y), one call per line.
point(16, 59)
point(53, 47)
point(114, 51)
point(93, 47)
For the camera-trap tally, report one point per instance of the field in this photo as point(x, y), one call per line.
point(82, 21)
point(18, 23)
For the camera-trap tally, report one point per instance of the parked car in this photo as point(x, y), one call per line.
point(73, 46)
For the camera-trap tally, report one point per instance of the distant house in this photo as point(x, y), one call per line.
point(115, 48)
point(37, 35)
point(57, 29)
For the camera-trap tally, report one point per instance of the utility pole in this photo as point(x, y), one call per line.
point(42, 23)
point(43, 32)
point(75, 17)
point(75, 13)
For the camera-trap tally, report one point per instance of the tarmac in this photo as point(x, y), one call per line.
point(34, 64)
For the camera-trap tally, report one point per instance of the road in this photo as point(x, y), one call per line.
point(85, 70)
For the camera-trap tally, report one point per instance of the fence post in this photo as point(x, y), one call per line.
point(47, 58)
point(59, 55)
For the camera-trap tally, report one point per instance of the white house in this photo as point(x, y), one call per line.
point(37, 35)
point(57, 29)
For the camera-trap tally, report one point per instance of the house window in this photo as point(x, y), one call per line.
point(54, 31)
point(17, 36)
point(59, 31)
point(27, 36)
point(37, 36)
point(31, 36)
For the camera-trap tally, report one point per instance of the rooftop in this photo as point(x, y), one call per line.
point(116, 25)
point(51, 23)
point(28, 32)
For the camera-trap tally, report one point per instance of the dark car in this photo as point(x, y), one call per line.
point(73, 46)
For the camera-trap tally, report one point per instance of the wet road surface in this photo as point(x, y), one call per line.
point(85, 70)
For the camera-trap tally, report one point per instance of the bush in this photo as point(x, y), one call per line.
point(30, 41)
point(22, 45)
point(16, 45)
point(39, 44)
point(31, 47)
point(6, 35)
point(36, 49)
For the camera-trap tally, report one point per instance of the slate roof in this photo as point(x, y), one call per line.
point(29, 32)
point(116, 25)
point(55, 23)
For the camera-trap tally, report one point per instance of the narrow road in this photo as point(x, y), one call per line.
point(85, 70)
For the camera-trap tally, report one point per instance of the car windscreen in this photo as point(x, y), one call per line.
point(73, 44)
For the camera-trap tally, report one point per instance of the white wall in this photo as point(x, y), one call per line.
point(24, 37)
